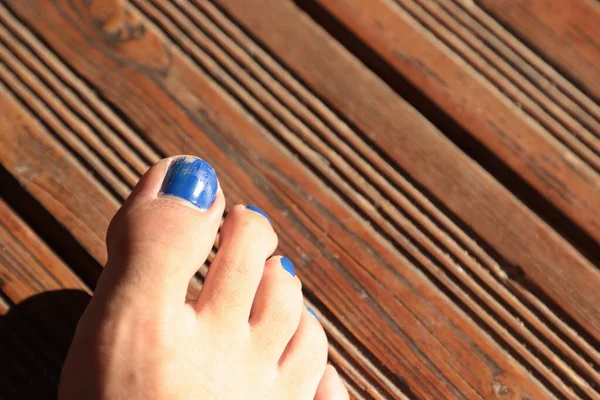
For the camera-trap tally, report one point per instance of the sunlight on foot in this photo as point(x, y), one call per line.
point(248, 336)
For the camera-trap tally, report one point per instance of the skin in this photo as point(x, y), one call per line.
point(247, 336)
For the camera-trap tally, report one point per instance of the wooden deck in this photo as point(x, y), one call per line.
point(432, 167)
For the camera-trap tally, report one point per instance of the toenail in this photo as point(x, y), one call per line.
point(192, 179)
point(311, 312)
point(288, 266)
point(258, 210)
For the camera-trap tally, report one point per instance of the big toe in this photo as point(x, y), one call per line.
point(165, 230)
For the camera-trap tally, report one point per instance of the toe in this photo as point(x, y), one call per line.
point(277, 308)
point(331, 386)
point(303, 362)
point(165, 230)
point(246, 241)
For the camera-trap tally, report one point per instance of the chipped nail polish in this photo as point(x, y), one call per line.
point(192, 179)
point(311, 312)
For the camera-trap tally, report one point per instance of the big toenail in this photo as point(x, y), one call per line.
point(288, 266)
point(258, 210)
point(311, 312)
point(192, 179)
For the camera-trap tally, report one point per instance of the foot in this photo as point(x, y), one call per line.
point(247, 336)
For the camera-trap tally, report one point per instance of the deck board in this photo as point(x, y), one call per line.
point(565, 34)
point(438, 196)
point(42, 300)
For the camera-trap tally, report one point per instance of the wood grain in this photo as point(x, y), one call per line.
point(311, 249)
point(565, 33)
point(323, 81)
point(466, 204)
point(39, 313)
point(431, 279)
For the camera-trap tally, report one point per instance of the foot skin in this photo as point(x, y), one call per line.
point(248, 336)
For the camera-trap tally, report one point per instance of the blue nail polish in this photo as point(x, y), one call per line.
point(288, 266)
point(191, 179)
point(258, 210)
point(311, 312)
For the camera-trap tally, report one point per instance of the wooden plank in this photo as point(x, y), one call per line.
point(370, 107)
point(255, 53)
point(52, 154)
point(51, 175)
point(37, 328)
point(451, 83)
point(263, 118)
point(29, 268)
point(564, 33)
point(528, 63)
point(18, 287)
point(520, 78)
point(311, 230)
point(327, 90)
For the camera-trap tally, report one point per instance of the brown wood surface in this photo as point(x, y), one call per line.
point(430, 166)
point(42, 300)
point(566, 33)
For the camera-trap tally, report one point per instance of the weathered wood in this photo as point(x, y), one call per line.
point(529, 64)
point(431, 279)
point(46, 300)
point(316, 64)
point(331, 284)
point(54, 177)
point(374, 109)
point(510, 74)
point(565, 33)
point(28, 267)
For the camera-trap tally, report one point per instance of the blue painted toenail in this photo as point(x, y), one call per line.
point(311, 312)
point(191, 179)
point(288, 266)
point(258, 210)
